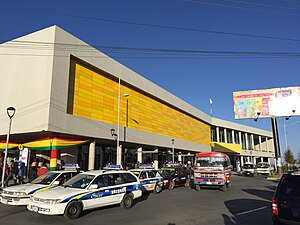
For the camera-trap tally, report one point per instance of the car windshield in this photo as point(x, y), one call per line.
point(79, 181)
point(211, 162)
point(46, 178)
point(263, 165)
point(167, 171)
point(248, 166)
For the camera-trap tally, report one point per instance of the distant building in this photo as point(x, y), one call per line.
point(68, 107)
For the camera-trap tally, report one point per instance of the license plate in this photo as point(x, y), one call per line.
point(35, 209)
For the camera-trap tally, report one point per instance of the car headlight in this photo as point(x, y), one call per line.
point(52, 201)
point(19, 194)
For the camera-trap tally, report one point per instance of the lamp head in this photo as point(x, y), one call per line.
point(125, 95)
point(293, 111)
point(112, 132)
point(11, 111)
point(173, 140)
point(258, 113)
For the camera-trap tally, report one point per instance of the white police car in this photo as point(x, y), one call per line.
point(20, 194)
point(87, 190)
point(150, 179)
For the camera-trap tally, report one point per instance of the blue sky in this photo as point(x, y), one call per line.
point(181, 25)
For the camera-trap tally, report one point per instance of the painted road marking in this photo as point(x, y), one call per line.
point(250, 211)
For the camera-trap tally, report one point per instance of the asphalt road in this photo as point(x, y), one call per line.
point(247, 202)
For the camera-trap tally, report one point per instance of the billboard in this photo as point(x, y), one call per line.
point(267, 103)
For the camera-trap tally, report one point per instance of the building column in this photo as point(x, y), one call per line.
point(119, 155)
point(180, 157)
point(225, 135)
point(92, 148)
point(240, 138)
point(242, 160)
point(252, 140)
point(140, 155)
point(259, 143)
point(267, 145)
point(218, 134)
point(155, 159)
point(53, 159)
point(233, 137)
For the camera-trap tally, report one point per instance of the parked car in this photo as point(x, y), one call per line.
point(248, 169)
point(20, 194)
point(87, 190)
point(175, 175)
point(263, 168)
point(286, 201)
point(150, 179)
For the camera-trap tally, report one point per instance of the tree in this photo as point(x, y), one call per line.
point(289, 157)
point(298, 158)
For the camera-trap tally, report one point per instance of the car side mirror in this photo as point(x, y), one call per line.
point(93, 186)
point(56, 182)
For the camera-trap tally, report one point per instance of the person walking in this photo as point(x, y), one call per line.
point(13, 172)
point(22, 173)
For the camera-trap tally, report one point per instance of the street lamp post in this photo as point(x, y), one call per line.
point(10, 112)
point(114, 135)
point(173, 153)
point(285, 131)
point(126, 126)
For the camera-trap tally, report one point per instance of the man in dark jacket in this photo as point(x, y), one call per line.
point(13, 172)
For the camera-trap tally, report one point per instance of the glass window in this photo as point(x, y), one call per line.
point(143, 175)
point(101, 181)
point(290, 187)
point(80, 181)
point(221, 135)
point(250, 145)
point(243, 141)
point(229, 136)
point(213, 134)
point(128, 178)
point(151, 174)
point(236, 137)
point(46, 178)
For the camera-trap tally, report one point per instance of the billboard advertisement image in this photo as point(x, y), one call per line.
point(267, 103)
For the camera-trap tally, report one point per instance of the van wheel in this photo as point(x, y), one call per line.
point(198, 187)
point(127, 201)
point(172, 185)
point(224, 188)
point(73, 210)
point(157, 189)
point(187, 183)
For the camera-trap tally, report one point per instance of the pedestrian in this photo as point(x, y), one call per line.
point(43, 169)
point(22, 173)
point(13, 172)
point(33, 169)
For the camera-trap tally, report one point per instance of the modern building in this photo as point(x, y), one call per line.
point(77, 104)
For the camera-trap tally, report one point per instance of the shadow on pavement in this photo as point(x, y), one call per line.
point(144, 197)
point(268, 195)
point(248, 211)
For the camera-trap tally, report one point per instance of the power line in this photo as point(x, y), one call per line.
point(240, 7)
point(263, 5)
point(87, 48)
point(171, 27)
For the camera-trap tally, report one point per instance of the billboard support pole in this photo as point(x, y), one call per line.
point(276, 145)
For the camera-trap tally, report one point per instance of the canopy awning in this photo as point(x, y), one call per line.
point(226, 147)
point(48, 143)
point(10, 145)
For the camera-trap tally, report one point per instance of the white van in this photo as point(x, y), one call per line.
point(263, 168)
point(87, 190)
